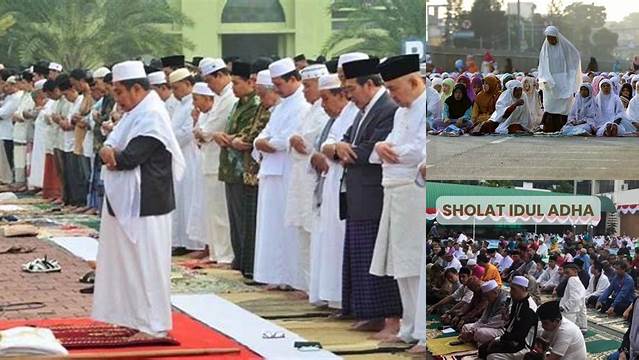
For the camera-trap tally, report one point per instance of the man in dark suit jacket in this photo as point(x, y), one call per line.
point(374, 301)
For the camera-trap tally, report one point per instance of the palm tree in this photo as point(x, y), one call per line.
point(6, 21)
point(378, 27)
point(90, 33)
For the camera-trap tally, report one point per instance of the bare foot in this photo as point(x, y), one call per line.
point(391, 328)
point(91, 211)
point(271, 287)
point(199, 254)
point(417, 349)
point(368, 325)
point(299, 295)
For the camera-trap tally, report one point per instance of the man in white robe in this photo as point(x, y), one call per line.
point(132, 286)
point(211, 120)
point(573, 303)
point(299, 201)
point(188, 229)
point(22, 122)
point(277, 246)
point(9, 106)
point(327, 237)
point(43, 106)
point(402, 229)
point(158, 83)
point(559, 75)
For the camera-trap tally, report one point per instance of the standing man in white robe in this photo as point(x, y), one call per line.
point(559, 75)
point(299, 201)
point(188, 217)
point(42, 110)
point(402, 228)
point(9, 106)
point(158, 83)
point(327, 238)
point(277, 246)
point(573, 303)
point(209, 122)
point(143, 160)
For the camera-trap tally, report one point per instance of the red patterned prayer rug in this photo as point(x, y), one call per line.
point(99, 335)
point(187, 332)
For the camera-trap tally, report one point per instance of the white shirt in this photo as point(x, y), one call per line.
point(8, 108)
point(454, 264)
point(602, 285)
point(20, 129)
point(69, 136)
point(213, 121)
point(407, 139)
point(550, 277)
point(505, 263)
point(171, 104)
point(347, 116)
point(497, 259)
point(567, 341)
point(368, 108)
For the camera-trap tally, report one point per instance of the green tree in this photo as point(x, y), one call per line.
point(605, 42)
point(6, 21)
point(578, 23)
point(89, 33)
point(378, 27)
point(491, 32)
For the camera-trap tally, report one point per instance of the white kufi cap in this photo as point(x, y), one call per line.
point(157, 78)
point(209, 65)
point(313, 71)
point(489, 286)
point(201, 88)
point(281, 67)
point(264, 78)
point(330, 81)
point(178, 75)
point(128, 70)
point(350, 57)
point(520, 280)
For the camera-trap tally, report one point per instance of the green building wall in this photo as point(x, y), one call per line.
point(306, 28)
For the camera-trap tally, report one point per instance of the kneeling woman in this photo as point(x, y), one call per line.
point(611, 120)
point(511, 114)
point(458, 109)
point(583, 115)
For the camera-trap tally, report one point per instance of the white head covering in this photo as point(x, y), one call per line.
point(489, 286)
point(329, 81)
point(520, 280)
point(101, 72)
point(610, 107)
point(11, 79)
point(584, 108)
point(559, 65)
point(505, 100)
point(264, 78)
point(201, 88)
point(436, 81)
point(314, 71)
point(178, 75)
point(281, 67)
point(471, 262)
point(157, 78)
point(350, 57)
point(209, 65)
point(39, 85)
point(128, 70)
point(633, 107)
point(55, 66)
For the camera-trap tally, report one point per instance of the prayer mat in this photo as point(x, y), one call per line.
point(188, 332)
point(275, 305)
point(185, 281)
point(442, 346)
point(100, 335)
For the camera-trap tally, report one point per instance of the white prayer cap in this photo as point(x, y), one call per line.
point(520, 280)
point(350, 57)
point(201, 88)
point(178, 75)
point(55, 66)
point(101, 72)
point(209, 66)
point(437, 81)
point(513, 84)
point(281, 67)
point(551, 31)
point(39, 85)
point(471, 262)
point(11, 80)
point(314, 71)
point(264, 78)
point(1, 67)
point(128, 70)
point(157, 78)
point(489, 286)
point(330, 81)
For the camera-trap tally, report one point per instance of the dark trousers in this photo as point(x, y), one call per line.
point(618, 309)
point(234, 202)
point(59, 164)
point(8, 149)
point(591, 301)
point(76, 178)
point(249, 223)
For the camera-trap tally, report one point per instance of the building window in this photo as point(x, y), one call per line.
point(253, 11)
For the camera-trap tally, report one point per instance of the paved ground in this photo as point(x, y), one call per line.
point(532, 158)
point(58, 291)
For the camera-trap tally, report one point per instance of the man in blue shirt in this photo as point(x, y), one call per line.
point(620, 294)
point(583, 256)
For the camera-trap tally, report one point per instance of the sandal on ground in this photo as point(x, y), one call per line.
point(42, 266)
point(88, 278)
point(87, 290)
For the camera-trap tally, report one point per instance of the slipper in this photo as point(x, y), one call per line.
point(41, 266)
point(18, 250)
point(87, 290)
point(88, 278)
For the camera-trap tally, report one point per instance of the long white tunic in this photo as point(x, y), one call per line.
point(402, 227)
point(172, 104)
point(277, 247)
point(327, 238)
point(574, 303)
point(8, 108)
point(36, 176)
point(188, 220)
point(132, 286)
point(218, 229)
